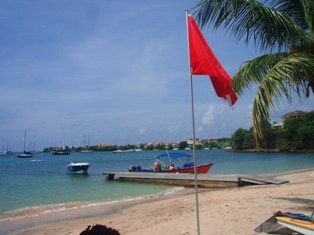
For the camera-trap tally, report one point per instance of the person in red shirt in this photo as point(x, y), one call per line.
point(156, 166)
point(171, 168)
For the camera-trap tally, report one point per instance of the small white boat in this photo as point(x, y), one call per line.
point(86, 151)
point(80, 168)
point(120, 151)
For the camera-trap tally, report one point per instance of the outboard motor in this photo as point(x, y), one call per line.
point(132, 168)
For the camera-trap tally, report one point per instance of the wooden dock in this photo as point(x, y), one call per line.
point(187, 180)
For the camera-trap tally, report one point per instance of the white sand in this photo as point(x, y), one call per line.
point(226, 211)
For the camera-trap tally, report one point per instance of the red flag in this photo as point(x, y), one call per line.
point(204, 62)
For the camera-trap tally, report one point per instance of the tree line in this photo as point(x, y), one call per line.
point(297, 134)
point(219, 144)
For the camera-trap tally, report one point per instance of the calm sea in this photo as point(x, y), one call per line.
point(31, 187)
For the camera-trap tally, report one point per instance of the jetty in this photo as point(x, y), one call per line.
point(187, 180)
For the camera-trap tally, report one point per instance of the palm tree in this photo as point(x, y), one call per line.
point(281, 28)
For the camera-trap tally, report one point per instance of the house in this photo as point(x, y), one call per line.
point(197, 141)
point(173, 144)
point(294, 114)
point(278, 126)
point(105, 145)
point(156, 143)
point(289, 115)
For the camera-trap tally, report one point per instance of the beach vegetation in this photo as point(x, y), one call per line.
point(220, 143)
point(183, 145)
point(296, 134)
point(284, 31)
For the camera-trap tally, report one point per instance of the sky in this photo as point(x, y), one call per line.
point(115, 72)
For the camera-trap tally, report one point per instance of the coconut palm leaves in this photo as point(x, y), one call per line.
point(284, 26)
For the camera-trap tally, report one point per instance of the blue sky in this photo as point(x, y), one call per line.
point(116, 71)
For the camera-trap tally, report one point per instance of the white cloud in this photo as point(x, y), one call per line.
point(175, 127)
point(209, 116)
point(142, 130)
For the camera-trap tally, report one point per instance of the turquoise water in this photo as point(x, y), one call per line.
point(27, 184)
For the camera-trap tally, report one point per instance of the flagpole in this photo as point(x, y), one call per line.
point(193, 129)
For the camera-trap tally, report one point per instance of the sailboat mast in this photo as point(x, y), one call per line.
point(24, 140)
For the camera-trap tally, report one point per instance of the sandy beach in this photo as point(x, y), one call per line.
point(224, 211)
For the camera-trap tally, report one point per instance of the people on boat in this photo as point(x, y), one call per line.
point(156, 166)
point(171, 168)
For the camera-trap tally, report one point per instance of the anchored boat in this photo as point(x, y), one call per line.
point(80, 168)
point(173, 162)
point(25, 154)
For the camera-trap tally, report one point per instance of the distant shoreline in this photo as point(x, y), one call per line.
point(263, 150)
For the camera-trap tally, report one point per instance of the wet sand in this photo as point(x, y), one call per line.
point(224, 211)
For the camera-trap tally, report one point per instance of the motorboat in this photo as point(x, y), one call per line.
point(61, 152)
point(86, 151)
point(173, 162)
point(120, 151)
point(80, 168)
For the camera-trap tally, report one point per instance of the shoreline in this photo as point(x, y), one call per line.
point(81, 210)
point(275, 150)
point(222, 211)
point(36, 211)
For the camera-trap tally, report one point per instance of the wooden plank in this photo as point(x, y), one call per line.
point(182, 182)
point(262, 180)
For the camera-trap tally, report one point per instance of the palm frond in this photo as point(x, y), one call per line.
point(301, 11)
point(278, 85)
point(252, 72)
point(267, 27)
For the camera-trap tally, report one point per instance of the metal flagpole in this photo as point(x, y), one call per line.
point(193, 128)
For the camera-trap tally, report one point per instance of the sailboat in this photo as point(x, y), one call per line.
point(26, 154)
point(138, 147)
point(5, 152)
point(86, 150)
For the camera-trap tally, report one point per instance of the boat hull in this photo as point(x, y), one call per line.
point(120, 151)
point(78, 168)
point(301, 226)
point(25, 155)
point(61, 152)
point(200, 169)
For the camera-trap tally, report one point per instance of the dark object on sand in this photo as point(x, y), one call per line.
point(99, 229)
point(270, 224)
